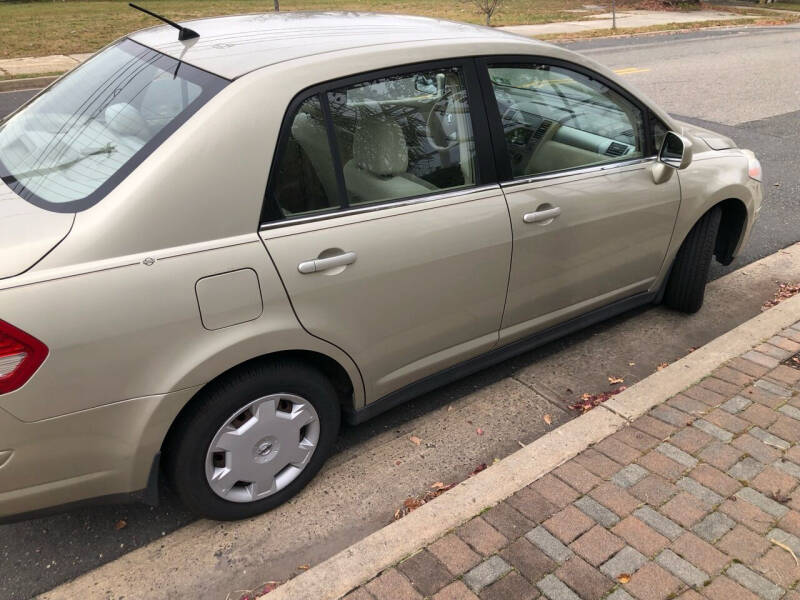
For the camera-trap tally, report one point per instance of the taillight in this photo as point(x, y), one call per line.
point(20, 355)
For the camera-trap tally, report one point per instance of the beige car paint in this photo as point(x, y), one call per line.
point(89, 453)
point(116, 304)
point(427, 288)
point(17, 219)
point(609, 241)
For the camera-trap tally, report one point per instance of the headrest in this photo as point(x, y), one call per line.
point(124, 119)
point(379, 145)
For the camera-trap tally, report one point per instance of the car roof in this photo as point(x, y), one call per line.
point(234, 45)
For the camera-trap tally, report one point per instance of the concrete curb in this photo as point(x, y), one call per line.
point(360, 562)
point(26, 83)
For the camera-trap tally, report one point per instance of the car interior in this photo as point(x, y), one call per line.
point(554, 119)
point(409, 135)
point(69, 148)
point(397, 138)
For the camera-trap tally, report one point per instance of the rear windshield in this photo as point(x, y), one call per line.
point(72, 144)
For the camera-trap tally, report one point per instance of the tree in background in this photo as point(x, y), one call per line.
point(487, 7)
point(277, 5)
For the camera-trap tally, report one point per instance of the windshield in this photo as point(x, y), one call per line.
point(72, 144)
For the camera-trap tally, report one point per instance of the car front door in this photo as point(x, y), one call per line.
point(590, 224)
point(382, 219)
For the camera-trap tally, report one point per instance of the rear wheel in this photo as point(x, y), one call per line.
point(253, 441)
point(687, 282)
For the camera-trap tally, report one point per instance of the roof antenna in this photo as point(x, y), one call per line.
point(184, 33)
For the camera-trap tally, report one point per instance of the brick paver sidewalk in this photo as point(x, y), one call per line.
point(697, 499)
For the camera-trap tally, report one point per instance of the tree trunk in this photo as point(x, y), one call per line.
point(488, 18)
point(277, 5)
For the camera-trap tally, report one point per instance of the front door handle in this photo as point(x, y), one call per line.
point(542, 215)
point(322, 264)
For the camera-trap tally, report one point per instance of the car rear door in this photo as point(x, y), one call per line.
point(590, 224)
point(390, 238)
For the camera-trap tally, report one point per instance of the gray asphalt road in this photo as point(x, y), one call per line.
point(743, 83)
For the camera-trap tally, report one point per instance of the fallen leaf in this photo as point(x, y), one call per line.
point(615, 380)
point(788, 549)
point(589, 401)
point(662, 366)
point(631, 364)
point(784, 291)
point(415, 440)
point(397, 463)
point(412, 504)
point(778, 497)
point(548, 419)
point(623, 578)
point(449, 408)
point(304, 567)
point(479, 431)
point(121, 524)
point(478, 469)
point(270, 586)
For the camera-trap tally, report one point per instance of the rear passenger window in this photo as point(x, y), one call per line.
point(305, 180)
point(404, 136)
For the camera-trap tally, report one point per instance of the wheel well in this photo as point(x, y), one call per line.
point(734, 218)
point(324, 364)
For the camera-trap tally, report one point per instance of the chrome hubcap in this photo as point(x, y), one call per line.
point(262, 448)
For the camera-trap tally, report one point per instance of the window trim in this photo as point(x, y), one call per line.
point(211, 85)
point(502, 158)
point(271, 216)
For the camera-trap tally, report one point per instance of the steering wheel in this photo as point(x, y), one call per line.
point(442, 130)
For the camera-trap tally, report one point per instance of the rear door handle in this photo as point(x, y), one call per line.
point(322, 264)
point(542, 215)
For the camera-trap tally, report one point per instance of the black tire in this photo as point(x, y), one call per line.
point(186, 448)
point(686, 286)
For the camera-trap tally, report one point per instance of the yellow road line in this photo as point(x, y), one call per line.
point(630, 71)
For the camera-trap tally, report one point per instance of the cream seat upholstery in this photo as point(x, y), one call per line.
point(379, 167)
point(310, 133)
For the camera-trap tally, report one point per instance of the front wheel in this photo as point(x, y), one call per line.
point(252, 440)
point(686, 286)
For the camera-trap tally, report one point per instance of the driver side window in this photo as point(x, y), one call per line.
point(556, 119)
point(404, 136)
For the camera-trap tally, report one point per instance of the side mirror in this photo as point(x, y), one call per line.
point(676, 151)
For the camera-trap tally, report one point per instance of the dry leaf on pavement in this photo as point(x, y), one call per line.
point(412, 504)
point(623, 578)
point(589, 401)
point(615, 380)
point(662, 366)
point(784, 291)
point(478, 469)
point(121, 524)
point(415, 440)
point(779, 497)
point(548, 419)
